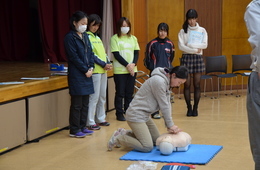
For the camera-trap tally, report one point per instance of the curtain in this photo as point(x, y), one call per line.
point(54, 17)
point(116, 12)
point(111, 14)
point(14, 30)
point(107, 26)
point(26, 31)
point(54, 23)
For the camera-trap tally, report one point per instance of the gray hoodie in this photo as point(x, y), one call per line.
point(153, 95)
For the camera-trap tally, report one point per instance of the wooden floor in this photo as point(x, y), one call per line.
point(221, 121)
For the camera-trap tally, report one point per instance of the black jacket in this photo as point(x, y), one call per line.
point(80, 60)
point(159, 53)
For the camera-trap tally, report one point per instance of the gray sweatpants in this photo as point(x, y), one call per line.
point(253, 111)
point(142, 137)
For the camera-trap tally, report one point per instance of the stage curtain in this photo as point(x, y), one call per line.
point(54, 24)
point(19, 37)
point(14, 30)
point(117, 14)
point(107, 27)
point(111, 14)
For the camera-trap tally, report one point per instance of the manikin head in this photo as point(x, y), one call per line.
point(168, 142)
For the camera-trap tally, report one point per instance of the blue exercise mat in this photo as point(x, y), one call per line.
point(197, 154)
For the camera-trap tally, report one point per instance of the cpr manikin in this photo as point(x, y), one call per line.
point(169, 142)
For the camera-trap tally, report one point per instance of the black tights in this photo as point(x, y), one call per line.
point(196, 84)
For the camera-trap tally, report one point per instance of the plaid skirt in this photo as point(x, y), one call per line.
point(193, 62)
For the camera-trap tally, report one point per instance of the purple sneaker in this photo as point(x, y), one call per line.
point(88, 132)
point(78, 135)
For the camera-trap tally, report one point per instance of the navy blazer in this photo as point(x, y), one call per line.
point(80, 60)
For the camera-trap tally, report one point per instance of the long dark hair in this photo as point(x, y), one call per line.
point(119, 25)
point(191, 13)
point(180, 72)
point(77, 16)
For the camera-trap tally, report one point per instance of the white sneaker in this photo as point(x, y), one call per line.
point(121, 131)
point(112, 141)
point(156, 116)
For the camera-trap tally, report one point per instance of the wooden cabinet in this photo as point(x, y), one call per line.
point(47, 113)
point(110, 94)
point(12, 124)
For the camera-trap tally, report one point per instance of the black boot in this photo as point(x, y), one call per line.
point(189, 112)
point(120, 117)
point(195, 111)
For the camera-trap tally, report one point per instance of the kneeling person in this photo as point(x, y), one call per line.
point(153, 95)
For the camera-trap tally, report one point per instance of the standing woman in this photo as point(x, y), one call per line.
point(80, 66)
point(192, 40)
point(160, 53)
point(97, 100)
point(125, 49)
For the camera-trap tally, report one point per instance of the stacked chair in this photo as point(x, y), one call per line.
point(141, 77)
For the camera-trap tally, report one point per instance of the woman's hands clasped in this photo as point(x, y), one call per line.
point(108, 67)
point(130, 67)
point(89, 73)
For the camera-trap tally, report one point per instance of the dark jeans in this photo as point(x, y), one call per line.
point(124, 84)
point(78, 113)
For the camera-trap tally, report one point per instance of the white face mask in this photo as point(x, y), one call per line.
point(125, 30)
point(82, 28)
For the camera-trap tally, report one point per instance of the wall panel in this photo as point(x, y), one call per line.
point(209, 17)
point(140, 18)
point(135, 10)
point(145, 15)
point(170, 12)
point(223, 20)
point(234, 40)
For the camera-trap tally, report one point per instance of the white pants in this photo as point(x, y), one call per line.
point(97, 100)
